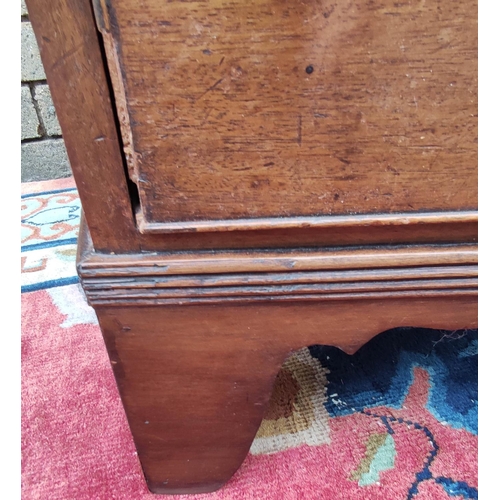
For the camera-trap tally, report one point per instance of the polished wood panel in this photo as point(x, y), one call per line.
point(78, 86)
point(241, 110)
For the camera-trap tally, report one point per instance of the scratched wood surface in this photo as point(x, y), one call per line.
point(264, 108)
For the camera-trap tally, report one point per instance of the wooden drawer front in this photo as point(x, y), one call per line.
point(269, 108)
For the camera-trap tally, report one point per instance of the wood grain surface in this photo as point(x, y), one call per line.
point(327, 259)
point(181, 329)
point(195, 380)
point(245, 277)
point(319, 161)
point(314, 235)
point(76, 73)
point(263, 108)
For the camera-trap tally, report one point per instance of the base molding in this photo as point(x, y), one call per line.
point(289, 275)
point(346, 285)
point(181, 328)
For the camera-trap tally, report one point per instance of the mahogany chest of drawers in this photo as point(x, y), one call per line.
point(258, 176)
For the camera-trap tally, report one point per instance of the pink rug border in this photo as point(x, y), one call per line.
point(51, 185)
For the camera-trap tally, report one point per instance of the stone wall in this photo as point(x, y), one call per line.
point(43, 154)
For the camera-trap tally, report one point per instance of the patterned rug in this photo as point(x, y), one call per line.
point(397, 420)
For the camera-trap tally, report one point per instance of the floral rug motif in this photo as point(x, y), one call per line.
point(397, 420)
